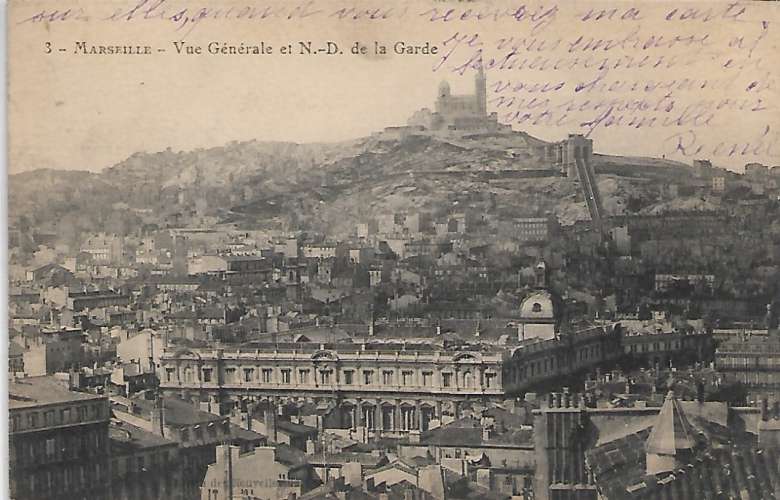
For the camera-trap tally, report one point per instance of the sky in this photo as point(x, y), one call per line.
point(76, 111)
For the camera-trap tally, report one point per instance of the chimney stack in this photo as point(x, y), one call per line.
point(158, 417)
point(270, 422)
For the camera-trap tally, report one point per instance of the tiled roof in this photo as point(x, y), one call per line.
point(744, 474)
point(468, 432)
point(34, 391)
point(126, 438)
point(727, 471)
point(177, 412)
point(288, 455)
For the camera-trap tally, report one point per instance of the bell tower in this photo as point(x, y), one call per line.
point(480, 91)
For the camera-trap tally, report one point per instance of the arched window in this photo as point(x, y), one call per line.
point(467, 379)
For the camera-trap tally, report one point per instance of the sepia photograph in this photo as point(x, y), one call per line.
point(393, 250)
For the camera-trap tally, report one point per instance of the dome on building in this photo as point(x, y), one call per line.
point(538, 305)
point(444, 88)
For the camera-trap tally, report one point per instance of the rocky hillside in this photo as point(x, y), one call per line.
point(325, 187)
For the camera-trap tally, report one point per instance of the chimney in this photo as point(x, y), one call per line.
point(352, 472)
point(227, 452)
point(431, 479)
point(764, 409)
point(158, 417)
point(483, 478)
point(250, 410)
point(270, 423)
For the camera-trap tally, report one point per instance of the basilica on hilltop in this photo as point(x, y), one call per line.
point(460, 113)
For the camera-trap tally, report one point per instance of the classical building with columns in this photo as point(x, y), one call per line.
point(379, 386)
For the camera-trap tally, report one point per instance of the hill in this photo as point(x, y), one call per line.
point(325, 187)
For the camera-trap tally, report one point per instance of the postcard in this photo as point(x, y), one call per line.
point(297, 249)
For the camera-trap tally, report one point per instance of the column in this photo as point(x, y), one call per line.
point(359, 414)
point(419, 416)
point(397, 415)
point(378, 415)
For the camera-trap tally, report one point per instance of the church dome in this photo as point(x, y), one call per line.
point(444, 89)
point(538, 305)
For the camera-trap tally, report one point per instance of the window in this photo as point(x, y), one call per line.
point(325, 377)
point(285, 376)
point(537, 307)
point(427, 379)
point(49, 417)
point(303, 376)
point(387, 377)
point(33, 419)
point(50, 448)
point(169, 374)
point(490, 380)
point(368, 377)
point(406, 377)
point(446, 379)
point(267, 375)
point(230, 374)
point(207, 374)
point(249, 374)
point(348, 377)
